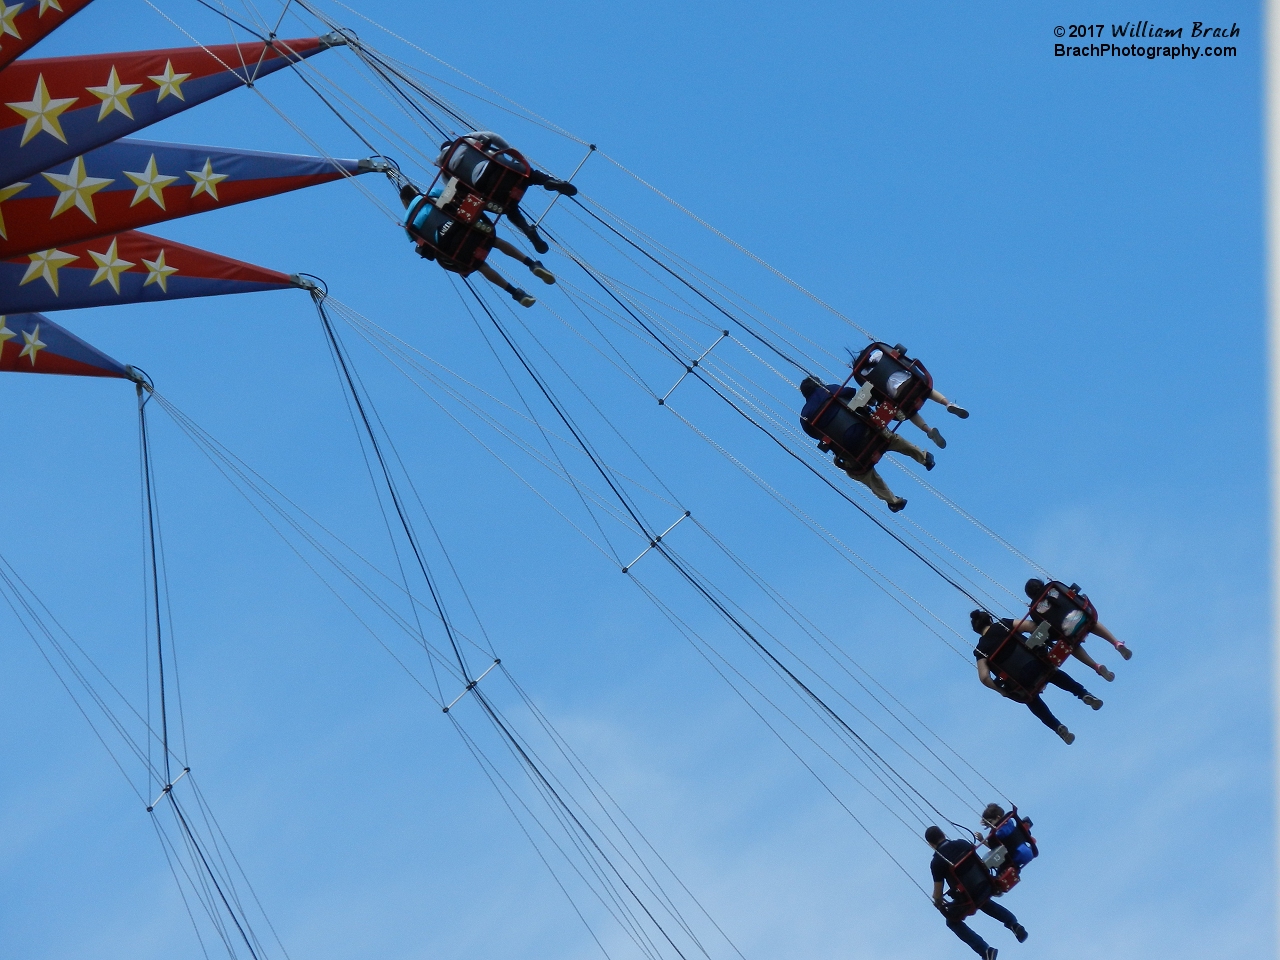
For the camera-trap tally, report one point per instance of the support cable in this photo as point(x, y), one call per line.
point(694, 580)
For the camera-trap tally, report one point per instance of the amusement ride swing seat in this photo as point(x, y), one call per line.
point(971, 885)
point(892, 387)
point(899, 384)
point(457, 244)
point(497, 178)
point(840, 419)
point(1009, 841)
point(1063, 617)
point(1065, 613)
point(1022, 668)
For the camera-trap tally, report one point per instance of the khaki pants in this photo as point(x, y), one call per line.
point(874, 482)
point(901, 445)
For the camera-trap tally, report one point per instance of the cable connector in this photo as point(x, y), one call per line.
point(139, 377)
point(375, 165)
point(303, 282)
point(337, 38)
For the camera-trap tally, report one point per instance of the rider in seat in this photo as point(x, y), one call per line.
point(1014, 670)
point(956, 863)
point(1071, 610)
point(866, 369)
point(1011, 844)
point(856, 443)
point(500, 174)
point(461, 247)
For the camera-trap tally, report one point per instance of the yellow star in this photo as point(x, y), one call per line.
point(34, 344)
point(47, 4)
point(114, 95)
point(110, 266)
point(157, 272)
point(76, 189)
point(5, 193)
point(41, 113)
point(150, 183)
point(5, 334)
point(45, 266)
point(206, 180)
point(7, 13)
point(169, 82)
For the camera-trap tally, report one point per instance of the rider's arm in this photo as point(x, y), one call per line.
point(984, 675)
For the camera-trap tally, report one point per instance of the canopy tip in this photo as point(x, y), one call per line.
point(139, 377)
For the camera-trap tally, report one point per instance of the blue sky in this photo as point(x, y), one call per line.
point(1075, 250)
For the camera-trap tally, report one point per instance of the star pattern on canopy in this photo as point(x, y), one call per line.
point(34, 344)
point(5, 333)
point(45, 266)
point(110, 266)
point(41, 113)
point(114, 96)
point(150, 183)
point(7, 13)
point(206, 180)
point(169, 82)
point(76, 189)
point(5, 193)
point(49, 5)
point(158, 271)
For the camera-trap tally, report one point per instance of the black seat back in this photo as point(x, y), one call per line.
point(500, 177)
point(894, 377)
point(971, 880)
point(839, 421)
point(1019, 666)
point(974, 877)
point(458, 247)
point(1055, 604)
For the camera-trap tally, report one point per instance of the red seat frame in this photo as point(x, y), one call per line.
point(911, 395)
point(463, 255)
point(507, 188)
point(1045, 657)
point(860, 461)
point(1062, 644)
point(1009, 876)
point(962, 898)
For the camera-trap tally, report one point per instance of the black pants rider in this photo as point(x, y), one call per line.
point(1061, 679)
point(973, 940)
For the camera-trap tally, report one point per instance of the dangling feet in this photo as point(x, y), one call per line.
point(1091, 701)
point(958, 410)
point(929, 462)
point(1104, 673)
point(516, 217)
point(933, 434)
point(990, 954)
point(1019, 931)
point(561, 186)
point(1124, 651)
point(896, 505)
point(1067, 736)
point(522, 298)
point(539, 271)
